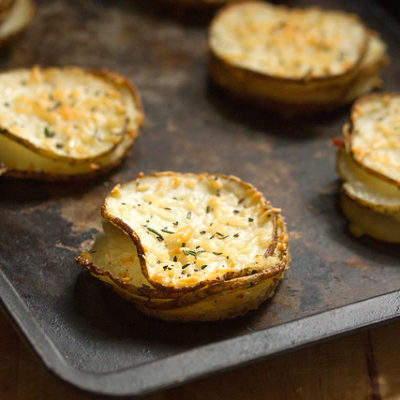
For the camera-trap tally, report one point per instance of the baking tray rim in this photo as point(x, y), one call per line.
point(204, 360)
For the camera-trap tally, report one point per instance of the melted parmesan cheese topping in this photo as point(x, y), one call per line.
point(289, 43)
point(195, 228)
point(376, 134)
point(67, 113)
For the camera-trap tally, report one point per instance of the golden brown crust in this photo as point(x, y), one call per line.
point(114, 79)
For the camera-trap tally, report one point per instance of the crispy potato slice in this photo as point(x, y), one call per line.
point(16, 16)
point(293, 60)
point(152, 267)
point(20, 160)
point(368, 189)
point(364, 220)
point(374, 140)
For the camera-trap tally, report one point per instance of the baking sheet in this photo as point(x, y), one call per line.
point(95, 340)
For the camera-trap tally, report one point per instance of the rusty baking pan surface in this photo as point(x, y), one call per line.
point(90, 337)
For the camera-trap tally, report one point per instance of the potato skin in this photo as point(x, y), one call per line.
point(114, 79)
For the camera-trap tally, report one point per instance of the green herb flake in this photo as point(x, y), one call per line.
point(165, 230)
point(48, 133)
point(175, 223)
point(208, 209)
point(183, 244)
point(204, 266)
point(158, 235)
point(59, 145)
point(236, 211)
point(189, 215)
point(185, 266)
point(175, 258)
point(216, 253)
point(202, 232)
point(251, 219)
point(236, 235)
point(241, 200)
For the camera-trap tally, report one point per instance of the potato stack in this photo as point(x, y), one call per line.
point(293, 60)
point(369, 165)
point(62, 123)
point(186, 247)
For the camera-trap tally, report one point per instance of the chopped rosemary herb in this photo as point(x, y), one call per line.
point(175, 258)
point(241, 200)
point(189, 215)
point(236, 235)
point(183, 244)
point(185, 266)
point(202, 232)
point(158, 235)
point(167, 208)
point(212, 237)
point(251, 219)
point(59, 145)
point(204, 266)
point(165, 230)
point(208, 209)
point(216, 253)
point(221, 236)
point(175, 223)
point(193, 252)
point(236, 211)
point(49, 133)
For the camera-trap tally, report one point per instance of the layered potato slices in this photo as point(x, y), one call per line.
point(293, 60)
point(186, 247)
point(15, 16)
point(369, 164)
point(58, 123)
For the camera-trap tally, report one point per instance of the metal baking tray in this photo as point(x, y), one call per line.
point(90, 337)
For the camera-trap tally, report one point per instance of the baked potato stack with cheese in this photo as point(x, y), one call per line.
point(293, 60)
point(369, 164)
point(15, 16)
point(186, 247)
point(60, 123)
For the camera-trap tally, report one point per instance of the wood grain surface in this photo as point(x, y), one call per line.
point(365, 365)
